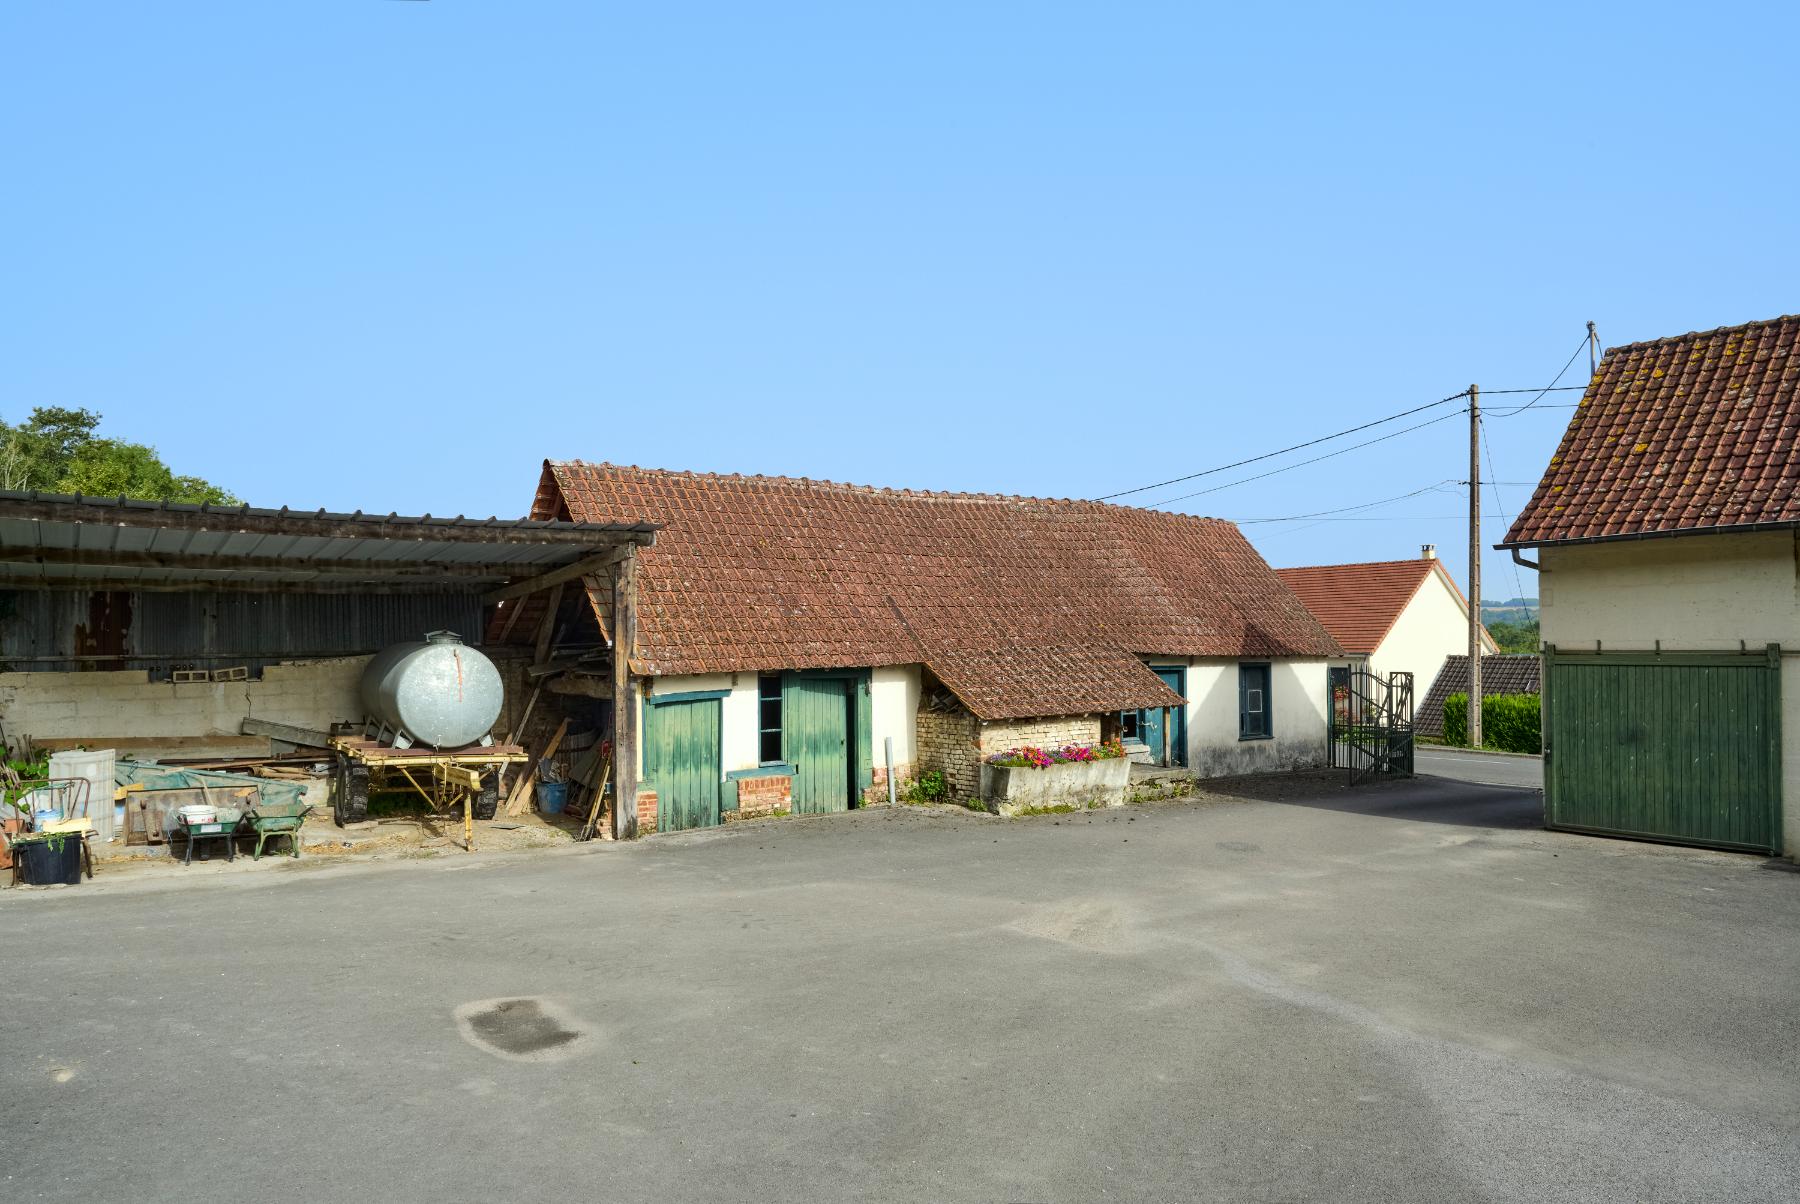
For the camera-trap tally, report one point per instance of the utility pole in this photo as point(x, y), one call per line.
point(1474, 566)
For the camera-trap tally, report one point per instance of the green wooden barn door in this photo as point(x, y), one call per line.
point(816, 717)
point(1683, 748)
point(681, 760)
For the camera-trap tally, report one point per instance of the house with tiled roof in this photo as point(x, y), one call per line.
point(1666, 530)
point(788, 630)
point(1391, 616)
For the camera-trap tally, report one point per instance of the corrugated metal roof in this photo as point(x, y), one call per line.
point(58, 539)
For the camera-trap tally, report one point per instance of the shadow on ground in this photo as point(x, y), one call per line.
point(1432, 801)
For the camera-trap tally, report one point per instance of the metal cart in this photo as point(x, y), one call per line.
point(445, 778)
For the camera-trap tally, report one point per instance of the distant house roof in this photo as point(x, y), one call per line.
point(1687, 434)
point(1360, 603)
point(1505, 673)
point(1021, 606)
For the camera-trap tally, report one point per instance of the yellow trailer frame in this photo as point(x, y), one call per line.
point(451, 777)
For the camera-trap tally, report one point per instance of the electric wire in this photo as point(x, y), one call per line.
point(1292, 518)
point(1168, 501)
point(1583, 346)
point(1284, 451)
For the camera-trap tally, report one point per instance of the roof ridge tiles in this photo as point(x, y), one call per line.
point(1702, 334)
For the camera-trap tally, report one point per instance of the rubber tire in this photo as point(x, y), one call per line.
point(488, 801)
point(353, 798)
point(336, 791)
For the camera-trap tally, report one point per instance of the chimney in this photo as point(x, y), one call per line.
point(1428, 551)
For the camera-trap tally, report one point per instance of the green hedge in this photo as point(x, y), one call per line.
point(1509, 722)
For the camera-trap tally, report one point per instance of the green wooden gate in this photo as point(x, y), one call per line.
point(682, 760)
point(825, 734)
point(1682, 747)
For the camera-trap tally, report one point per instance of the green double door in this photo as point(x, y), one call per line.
point(682, 761)
point(818, 721)
point(1680, 747)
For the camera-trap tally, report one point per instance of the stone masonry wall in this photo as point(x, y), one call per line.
point(999, 736)
point(947, 742)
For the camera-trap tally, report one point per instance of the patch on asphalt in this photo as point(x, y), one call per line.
point(1239, 846)
point(523, 1030)
point(1093, 924)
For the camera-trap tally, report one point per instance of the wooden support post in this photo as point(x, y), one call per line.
point(625, 699)
point(1165, 738)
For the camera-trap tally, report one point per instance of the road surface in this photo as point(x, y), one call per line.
point(1489, 768)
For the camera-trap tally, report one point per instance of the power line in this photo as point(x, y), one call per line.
point(1582, 346)
point(1494, 484)
point(1247, 522)
point(1303, 463)
point(1284, 451)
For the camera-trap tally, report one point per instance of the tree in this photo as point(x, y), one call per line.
point(1511, 636)
point(55, 450)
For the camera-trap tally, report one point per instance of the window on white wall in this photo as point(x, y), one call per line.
point(1256, 718)
point(768, 719)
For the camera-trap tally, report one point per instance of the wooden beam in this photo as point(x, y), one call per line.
point(286, 732)
point(547, 628)
point(625, 699)
point(567, 573)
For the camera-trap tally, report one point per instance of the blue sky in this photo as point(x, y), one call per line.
point(386, 255)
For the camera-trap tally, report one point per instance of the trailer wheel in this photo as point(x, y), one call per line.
point(489, 799)
point(352, 803)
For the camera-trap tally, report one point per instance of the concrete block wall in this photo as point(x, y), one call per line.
point(125, 708)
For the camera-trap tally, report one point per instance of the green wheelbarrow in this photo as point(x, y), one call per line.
point(271, 821)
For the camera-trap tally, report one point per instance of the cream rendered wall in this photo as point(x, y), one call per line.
point(1694, 593)
point(1297, 695)
point(894, 711)
point(1433, 625)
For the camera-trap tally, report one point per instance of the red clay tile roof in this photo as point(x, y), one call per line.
point(1022, 606)
point(1359, 603)
point(1689, 433)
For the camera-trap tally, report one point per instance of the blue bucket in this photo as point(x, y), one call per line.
point(552, 797)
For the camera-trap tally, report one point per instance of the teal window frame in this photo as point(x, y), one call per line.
point(768, 695)
point(1256, 677)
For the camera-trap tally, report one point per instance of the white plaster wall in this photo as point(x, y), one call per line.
point(125, 705)
point(1694, 593)
point(1433, 625)
point(894, 711)
point(1297, 690)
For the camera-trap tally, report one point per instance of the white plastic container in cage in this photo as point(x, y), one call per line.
point(96, 769)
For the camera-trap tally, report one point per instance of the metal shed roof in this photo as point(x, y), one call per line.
point(57, 539)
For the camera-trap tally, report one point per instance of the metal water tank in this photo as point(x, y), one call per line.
point(439, 691)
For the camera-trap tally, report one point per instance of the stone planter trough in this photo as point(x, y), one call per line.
point(1009, 789)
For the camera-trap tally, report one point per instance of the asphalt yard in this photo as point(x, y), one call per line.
point(1295, 991)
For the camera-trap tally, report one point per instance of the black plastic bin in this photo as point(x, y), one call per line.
point(48, 862)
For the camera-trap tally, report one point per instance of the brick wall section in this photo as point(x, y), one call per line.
point(947, 742)
point(646, 808)
point(764, 796)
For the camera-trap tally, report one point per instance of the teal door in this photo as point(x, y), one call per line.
point(1150, 721)
point(682, 763)
point(816, 718)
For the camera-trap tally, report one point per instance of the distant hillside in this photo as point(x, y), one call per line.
point(1512, 610)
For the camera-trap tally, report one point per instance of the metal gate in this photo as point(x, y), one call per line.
point(1370, 728)
point(1678, 747)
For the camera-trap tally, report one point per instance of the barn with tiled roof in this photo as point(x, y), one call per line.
point(811, 621)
